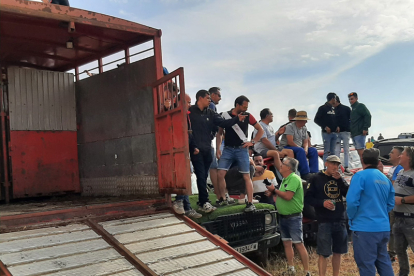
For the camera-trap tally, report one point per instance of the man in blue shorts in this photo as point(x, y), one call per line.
point(236, 149)
point(326, 191)
point(360, 122)
point(289, 204)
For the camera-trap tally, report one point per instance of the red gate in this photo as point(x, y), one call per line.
point(171, 134)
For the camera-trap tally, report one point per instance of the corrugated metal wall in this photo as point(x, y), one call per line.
point(41, 100)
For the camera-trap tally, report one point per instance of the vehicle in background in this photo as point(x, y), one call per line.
point(385, 146)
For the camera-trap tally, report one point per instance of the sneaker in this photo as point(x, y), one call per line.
point(289, 272)
point(244, 201)
point(193, 214)
point(221, 202)
point(229, 199)
point(250, 207)
point(178, 207)
point(348, 172)
point(207, 208)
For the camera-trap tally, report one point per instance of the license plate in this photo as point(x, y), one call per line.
point(247, 248)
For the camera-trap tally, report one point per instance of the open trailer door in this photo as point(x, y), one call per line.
point(171, 134)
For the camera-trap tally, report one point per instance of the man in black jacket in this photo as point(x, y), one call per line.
point(325, 192)
point(203, 120)
point(343, 118)
point(326, 119)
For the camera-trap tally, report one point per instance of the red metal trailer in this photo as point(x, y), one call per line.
point(106, 134)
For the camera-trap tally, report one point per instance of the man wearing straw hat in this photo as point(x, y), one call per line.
point(296, 139)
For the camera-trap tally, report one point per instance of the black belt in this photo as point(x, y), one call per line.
point(404, 215)
point(291, 215)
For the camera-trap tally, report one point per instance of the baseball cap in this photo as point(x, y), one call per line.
point(333, 158)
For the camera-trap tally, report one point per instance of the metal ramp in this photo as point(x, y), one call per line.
point(160, 244)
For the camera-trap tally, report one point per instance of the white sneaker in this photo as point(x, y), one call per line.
point(229, 199)
point(244, 201)
point(348, 172)
point(178, 207)
point(207, 208)
point(193, 214)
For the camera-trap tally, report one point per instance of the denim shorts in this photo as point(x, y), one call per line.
point(332, 237)
point(214, 162)
point(239, 156)
point(291, 229)
point(359, 141)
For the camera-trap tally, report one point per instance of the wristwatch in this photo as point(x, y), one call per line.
point(403, 200)
point(253, 142)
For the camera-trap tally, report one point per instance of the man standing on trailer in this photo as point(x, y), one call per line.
point(236, 149)
point(203, 120)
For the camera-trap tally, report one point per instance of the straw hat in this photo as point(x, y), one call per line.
point(301, 116)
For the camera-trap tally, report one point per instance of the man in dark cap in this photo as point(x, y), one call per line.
point(326, 119)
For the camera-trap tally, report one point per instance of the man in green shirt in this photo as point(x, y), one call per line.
point(289, 203)
point(360, 122)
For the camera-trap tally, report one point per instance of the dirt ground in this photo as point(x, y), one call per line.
point(278, 263)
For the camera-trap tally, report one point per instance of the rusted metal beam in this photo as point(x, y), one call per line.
point(142, 267)
point(227, 248)
point(58, 216)
point(5, 154)
point(68, 14)
point(46, 42)
point(3, 270)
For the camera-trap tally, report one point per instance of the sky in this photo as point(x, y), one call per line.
point(288, 54)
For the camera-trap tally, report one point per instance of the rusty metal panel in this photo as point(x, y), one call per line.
point(117, 152)
point(44, 163)
point(120, 185)
point(41, 100)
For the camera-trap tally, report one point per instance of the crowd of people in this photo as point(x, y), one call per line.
point(372, 205)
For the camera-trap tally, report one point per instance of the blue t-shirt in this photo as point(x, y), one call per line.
point(395, 173)
point(212, 106)
point(370, 198)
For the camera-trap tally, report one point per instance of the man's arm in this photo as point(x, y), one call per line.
point(219, 136)
point(391, 199)
point(319, 118)
point(310, 196)
point(257, 137)
point(290, 141)
point(268, 144)
point(354, 196)
point(367, 117)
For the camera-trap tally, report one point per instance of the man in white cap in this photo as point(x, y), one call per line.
point(326, 191)
point(296, 138)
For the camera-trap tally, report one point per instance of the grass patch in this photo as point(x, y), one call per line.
point(222, 210)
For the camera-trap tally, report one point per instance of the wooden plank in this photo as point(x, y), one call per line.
point(63, 263)
point(176, 251)
point(132, 227)
point(153, 233)
point(53, 252)
point(187, 263)
point(164, 242)
point(45, 241)
point(41, 232)
point(211, 269)
point(135, 219)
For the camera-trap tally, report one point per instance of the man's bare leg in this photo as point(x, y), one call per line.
point(249, 187)
point(288, 252)
point(336, 263)
point(303, 253)
point(322, 264)
point(360, 151)
point(214, 180)
point(221, 191)
point(287, 152)
point(276, 158)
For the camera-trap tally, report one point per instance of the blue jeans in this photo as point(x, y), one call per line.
point(359, 141)
point(370, 253)
point(329, 144)
point(186, 201)
point(201, 163)
point(343, 136)
point(332, 237)
point(239, 156)
point(403, 230)
point(291, 229)
point(305, 167)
